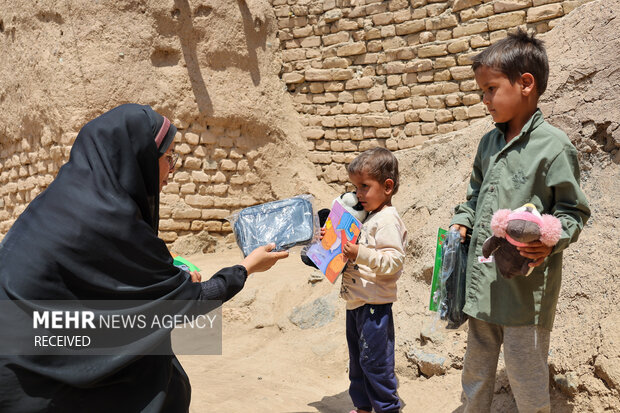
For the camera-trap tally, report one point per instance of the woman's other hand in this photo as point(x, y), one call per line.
point(262, 259)
point(196, 277)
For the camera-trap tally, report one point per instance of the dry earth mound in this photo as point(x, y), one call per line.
point(212, 65)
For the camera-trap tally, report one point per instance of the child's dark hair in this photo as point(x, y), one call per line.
point(379, 163)
point(515, 55)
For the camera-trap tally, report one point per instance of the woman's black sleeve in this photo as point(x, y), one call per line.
point(225, 284)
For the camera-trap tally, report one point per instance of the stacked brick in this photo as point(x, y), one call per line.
point(366, 73)
point(26, 169)
point(218, 175)
point(362, 73)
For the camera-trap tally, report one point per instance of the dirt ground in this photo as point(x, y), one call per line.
point(270, 365)
point(60, 77)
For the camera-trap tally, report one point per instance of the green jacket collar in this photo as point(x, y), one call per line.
point(533, 122)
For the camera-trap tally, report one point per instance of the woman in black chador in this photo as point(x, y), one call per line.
point(92, 235)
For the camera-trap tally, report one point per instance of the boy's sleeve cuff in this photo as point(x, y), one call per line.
point(461, 220)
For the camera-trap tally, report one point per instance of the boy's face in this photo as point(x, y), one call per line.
point(504, 100)
point(372, 194)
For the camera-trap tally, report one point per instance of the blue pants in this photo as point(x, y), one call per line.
point(370, 336)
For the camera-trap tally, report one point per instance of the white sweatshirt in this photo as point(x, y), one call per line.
point(379, 263)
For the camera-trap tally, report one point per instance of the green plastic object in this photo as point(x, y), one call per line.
point(184, 264)
point(436, 283)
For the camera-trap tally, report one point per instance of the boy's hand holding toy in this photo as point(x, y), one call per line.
point(521, 240)
point(536, 251)
point(462, 229)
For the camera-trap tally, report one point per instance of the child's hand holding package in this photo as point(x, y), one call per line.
point(462, 229)
point(350, 250)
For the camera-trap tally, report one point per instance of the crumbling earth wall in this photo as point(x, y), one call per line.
point(268, 96)
point(213, 68)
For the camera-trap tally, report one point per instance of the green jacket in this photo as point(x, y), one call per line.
point(538, 166)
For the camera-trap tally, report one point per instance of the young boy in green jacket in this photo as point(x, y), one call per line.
point(524, 160)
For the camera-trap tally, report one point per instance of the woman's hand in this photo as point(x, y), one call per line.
point(196, 277)
point(262, 259)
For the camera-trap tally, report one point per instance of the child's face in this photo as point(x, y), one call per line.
point(372, 194)
point(504, 100)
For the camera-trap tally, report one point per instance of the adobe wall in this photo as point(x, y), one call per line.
point(391, 73)
point(211, 68)
point(271, 99)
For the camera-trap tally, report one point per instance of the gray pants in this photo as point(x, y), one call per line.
point(525, 352)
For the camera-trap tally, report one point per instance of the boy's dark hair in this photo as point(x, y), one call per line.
point(379, 163)
point(515, 55)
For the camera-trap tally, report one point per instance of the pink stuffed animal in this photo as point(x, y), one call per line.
point(512, 229)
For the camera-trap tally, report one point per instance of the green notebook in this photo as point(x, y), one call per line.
point(435, 284)
point(184, 264)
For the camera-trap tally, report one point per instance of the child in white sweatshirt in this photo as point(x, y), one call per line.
point(369, 283)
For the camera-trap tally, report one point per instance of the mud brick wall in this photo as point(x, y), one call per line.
point(361, 73)
point(218, 172)
point(26, 168)
point(366, 73)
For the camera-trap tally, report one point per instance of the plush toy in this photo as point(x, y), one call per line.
point(350, 202)
point(512, 229)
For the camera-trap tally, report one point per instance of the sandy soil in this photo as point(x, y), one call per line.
point(270, 365)
point(63, 62)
